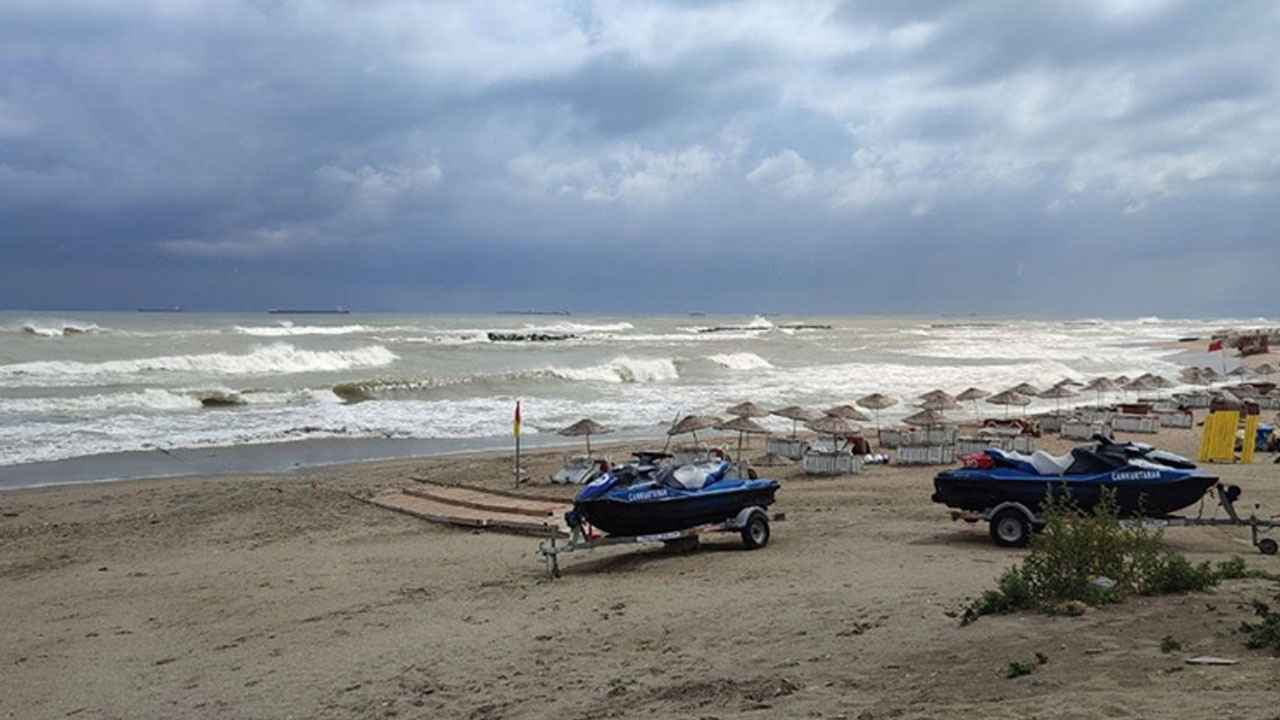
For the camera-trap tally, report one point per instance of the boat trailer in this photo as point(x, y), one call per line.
point(1012, 523)
point(752, 523)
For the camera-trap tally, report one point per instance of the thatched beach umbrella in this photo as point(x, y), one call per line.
point(1211, 376)
point(973, 394)
point(939, 403)
point(1265, 369)
point(1066, 381)
point(796, 415)
point(1056, 393)
point(748, 410)
point(1242, 371)
point(1007, 398)
point(692, 424)
point(1137, 385)
point(1026, 389)
point(743, 425)
point(586, 427)
point(836, 427)
point(927, 418)
point(876, 402)
point(1160, 382)
point(1101, 386)
point(847, 412)
point(1193, 375)
point(936, 395)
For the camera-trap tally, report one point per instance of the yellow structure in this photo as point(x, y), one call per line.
point(1250, 434)
point(1218, 441)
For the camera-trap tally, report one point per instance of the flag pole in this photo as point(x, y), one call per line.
point(515, 427)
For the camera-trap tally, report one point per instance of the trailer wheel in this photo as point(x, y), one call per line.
point(755, 534)
point(1010, 528)
point(1267, 546)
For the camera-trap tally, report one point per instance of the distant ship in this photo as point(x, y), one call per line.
point(309, 311)
point(175, 308)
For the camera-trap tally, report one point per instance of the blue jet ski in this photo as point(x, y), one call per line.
point(1147, 482)
point(646, 498)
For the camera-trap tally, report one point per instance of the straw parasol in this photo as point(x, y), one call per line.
point(747, 410)
point(832, 425)
point(876, 402)
point(928, 418)
point(692, 424)
point(1160, 382)
point(1137, 385)
point(973, 394)
point(1242, 371)
point(1068, 381)
point(1265, 369)
point(936, 395)
point(1007, 398)
point(1193, 375)
point(1056, 393)
point(848, 412)
point(584, 427)
point(939, 403)
point(1211, 376)
point(1101, 385)
point(1025, 389)
point(796, 415)
point(742, 425)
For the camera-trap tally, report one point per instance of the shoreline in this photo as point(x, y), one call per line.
point(286, 596)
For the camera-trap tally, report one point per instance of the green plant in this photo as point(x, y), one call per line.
point(1075, 551)
point(1265, 634)
point(1168, 644)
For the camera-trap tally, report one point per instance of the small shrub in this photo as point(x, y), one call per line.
point(1265, 634)
point(1168, 644)
point(1018, 668)
point(1076, 549)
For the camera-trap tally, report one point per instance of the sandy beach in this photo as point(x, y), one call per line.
point(284, 596)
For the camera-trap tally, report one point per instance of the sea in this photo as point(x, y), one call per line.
point(81, 390)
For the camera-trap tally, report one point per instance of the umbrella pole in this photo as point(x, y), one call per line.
point(588, 444)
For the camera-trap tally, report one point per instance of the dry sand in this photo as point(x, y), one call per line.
point(282, 596)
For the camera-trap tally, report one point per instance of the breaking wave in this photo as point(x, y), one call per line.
point(291, 330)
point(278, 358)
point(740, 361)
point(59, 329)
point(622, 370)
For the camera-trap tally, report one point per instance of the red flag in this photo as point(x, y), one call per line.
point(515, 425)
point(1215, 346)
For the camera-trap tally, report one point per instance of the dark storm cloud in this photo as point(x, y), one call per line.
point(846, 156)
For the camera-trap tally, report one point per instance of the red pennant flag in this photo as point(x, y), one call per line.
point(1215, 346)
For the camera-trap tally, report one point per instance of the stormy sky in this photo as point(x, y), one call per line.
point(1082, 157)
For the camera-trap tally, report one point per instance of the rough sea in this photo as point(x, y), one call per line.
point(83, 384)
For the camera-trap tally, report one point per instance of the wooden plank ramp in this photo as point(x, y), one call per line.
point(472, 507)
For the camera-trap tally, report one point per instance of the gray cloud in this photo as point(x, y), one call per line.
point(408, 155)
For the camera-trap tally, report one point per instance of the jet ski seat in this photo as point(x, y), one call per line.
point(695, 477)
point(1038, 463)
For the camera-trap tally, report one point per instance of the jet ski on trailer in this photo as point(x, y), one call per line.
point(645, 498)
point(1007, 489)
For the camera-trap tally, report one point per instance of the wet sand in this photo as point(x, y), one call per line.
point(284, 596)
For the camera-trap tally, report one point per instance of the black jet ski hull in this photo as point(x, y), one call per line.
point(977, 491)
point(621, 517)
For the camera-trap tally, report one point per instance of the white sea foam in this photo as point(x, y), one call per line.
point(622, 370)
point(279, 358)
point(573, 327)
point(56, 328)
point(740, 361)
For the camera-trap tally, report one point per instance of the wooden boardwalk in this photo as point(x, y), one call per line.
point(479, 508)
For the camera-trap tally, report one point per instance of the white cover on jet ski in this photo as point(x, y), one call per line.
point(1047, 464)
point(690, 477)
